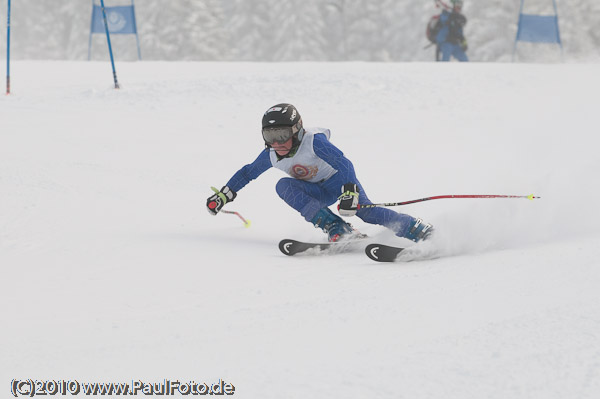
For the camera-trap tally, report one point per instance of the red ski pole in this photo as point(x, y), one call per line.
point(246, 222)
point(529, 197)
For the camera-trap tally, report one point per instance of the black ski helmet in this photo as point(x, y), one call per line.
point(280, 123)
point(281, 115)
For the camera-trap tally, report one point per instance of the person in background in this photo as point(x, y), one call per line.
point(450, 38)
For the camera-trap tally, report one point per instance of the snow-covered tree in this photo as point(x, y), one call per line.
point(287, 30)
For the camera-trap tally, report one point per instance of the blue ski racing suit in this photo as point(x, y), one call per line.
point(318, 170)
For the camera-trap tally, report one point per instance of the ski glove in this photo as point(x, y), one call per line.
point(348, 200)
point(215, 202)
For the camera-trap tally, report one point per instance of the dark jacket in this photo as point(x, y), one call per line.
point(452, 27)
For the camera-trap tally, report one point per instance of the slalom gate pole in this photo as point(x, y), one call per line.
point(246, 222)
point(386, 204)
point(112, 60)
point(8, 51)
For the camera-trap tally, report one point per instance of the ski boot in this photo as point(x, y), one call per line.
point(332, 224)
point(419, 231)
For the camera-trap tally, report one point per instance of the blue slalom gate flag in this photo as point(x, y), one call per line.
point(538, 29)
point(120, 19)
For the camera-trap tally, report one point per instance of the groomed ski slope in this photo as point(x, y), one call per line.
point(113, 270)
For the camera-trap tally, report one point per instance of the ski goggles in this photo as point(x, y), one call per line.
point(279, 134)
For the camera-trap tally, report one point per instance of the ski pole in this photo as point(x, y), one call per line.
point(529, 197)
point(440, 3)
point(246, 222)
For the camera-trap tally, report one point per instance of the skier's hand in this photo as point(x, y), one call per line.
point(463, 45)
point(215, 202)
point(348, 200)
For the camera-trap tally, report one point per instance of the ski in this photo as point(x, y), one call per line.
point(292, 247)
point(382, 253)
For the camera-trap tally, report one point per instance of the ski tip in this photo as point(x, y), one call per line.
point(285, 246)
point(247, 224)
point(382, 253)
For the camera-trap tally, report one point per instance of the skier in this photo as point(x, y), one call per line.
point(450, 39)
point(318, 170)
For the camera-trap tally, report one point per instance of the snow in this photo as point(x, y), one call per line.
point(112, 269)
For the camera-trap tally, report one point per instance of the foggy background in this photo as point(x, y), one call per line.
point(292, 30)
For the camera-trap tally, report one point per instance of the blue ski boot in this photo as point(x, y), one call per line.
point(419, 231)
point(332, 224)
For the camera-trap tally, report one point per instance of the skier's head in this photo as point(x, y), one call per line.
point(457, 5)
point(282, 128)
